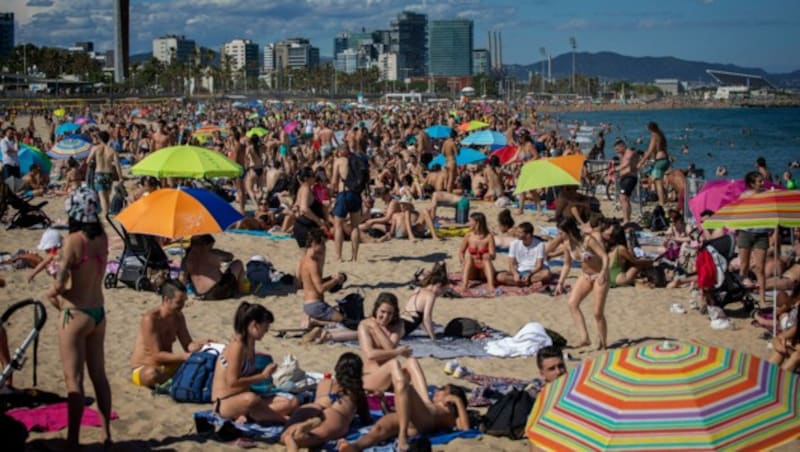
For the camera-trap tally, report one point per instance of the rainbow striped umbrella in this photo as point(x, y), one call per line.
point(670, 396)
point(768, 209)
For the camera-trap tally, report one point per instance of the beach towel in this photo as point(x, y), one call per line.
point(527, 342)
point(447, 347)
point(51, 418)
point(480, 290)
point(436, 439)
point(265, 234)
point(452, 231)
point(490, 389)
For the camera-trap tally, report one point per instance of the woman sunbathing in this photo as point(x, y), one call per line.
point(477, 253)
point(378, 337)
point(235, 372)
point(336, 404)
point(419, 308)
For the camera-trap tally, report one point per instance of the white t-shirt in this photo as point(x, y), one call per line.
point(9, 149)
point(526, 256)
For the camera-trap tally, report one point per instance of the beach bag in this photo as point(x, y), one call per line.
point(288, 373)
point(462, 327)
point(259, 273)
point(658, 220)
point(352, 308)
point(507, 416)
point(656, 275)
point(357, 173)
point(192, 382)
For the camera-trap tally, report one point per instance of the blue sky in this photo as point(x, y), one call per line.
point(752, 33)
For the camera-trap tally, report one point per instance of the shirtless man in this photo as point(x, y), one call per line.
point(676, 180)
point(449, 151)
point(202, 267)
point(106, 162)
point(153, 361)
point(628, 162)
point(494, 185)
point(36, 180)
point(161, 137)
point(326, 140)
point(316, 311)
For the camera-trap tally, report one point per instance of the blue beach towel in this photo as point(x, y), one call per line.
point(266, 234)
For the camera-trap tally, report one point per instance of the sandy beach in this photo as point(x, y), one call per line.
point(147, 421)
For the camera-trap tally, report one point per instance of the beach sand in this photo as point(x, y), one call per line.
point(148, 421)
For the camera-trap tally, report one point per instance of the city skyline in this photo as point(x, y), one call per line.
point(717, 31)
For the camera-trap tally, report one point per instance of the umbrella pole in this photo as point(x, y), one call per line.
point(775, 288)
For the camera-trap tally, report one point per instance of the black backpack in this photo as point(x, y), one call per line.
point(352, 308)
point(357, 173)
point(508, 416)
point(462, 327)
point(658, 220)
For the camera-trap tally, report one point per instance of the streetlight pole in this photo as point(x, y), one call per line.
point(574, 45)
point(543, 53)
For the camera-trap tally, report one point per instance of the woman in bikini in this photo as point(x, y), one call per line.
point(506, 231)
point(593, 279)
point(81, 322)
point(378, 338)
point(477, 253)
point(235, 372)
point(254, 168)
point(623, 265)
point(419, 308)
point(336, 403)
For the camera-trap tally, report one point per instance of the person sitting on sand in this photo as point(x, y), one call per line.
point(153, 361)
point(378, 338)
point(409, 223)
point(336, 403)
point(36, 181)
point(316, 311)
point(419, 308)
point(624, 266)
point(550, 361)
point(525, 260)
point(202, 268)
point(391, 207)
point(506, 233)
point(571, 204)
point(786, 345)
point(235, 371)
point(477, 252)
point(416, 413)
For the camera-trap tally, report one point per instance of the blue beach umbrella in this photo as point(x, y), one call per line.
point(67, 127)
point(438, 132)
point(485, 138)
point(28, 155)
point(75, 146)
point(466, 156)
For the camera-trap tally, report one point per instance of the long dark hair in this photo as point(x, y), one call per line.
point(653, 127)
point(92, 230)
point(751, 178)
point(349, 372)
point(569, 226)
point(246, 313)
point(391, 300)
point(438, 275)
point(480, 222)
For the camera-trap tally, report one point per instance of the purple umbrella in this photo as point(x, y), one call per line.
point(716, 194)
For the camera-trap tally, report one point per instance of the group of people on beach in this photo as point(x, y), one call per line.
point(319, 180)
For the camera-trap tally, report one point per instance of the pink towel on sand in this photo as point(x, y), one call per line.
point(51, 418)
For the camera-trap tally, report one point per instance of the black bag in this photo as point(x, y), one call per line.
point(507, 416)
point(462, 327)
point(357, 173)
point(352, 308)
point(658, 220)
point(656, 275)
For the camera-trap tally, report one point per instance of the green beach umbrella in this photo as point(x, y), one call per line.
point(186, 161)
point(258, 131)
point(253, 116)
point(552, 172)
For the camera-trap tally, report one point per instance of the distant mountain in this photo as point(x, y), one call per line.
point(613, 66)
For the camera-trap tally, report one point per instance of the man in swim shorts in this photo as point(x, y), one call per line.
point(106, 163)
point(153, 361)
point(316, 311)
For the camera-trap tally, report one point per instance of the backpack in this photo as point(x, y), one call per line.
point(658, 220)
point(260, 276)
point(352, 308)
point(357, 173)
point(508, 416)
point(192, 382)
point(462, 327)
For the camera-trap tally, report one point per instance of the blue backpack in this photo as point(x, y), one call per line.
point(192, 382)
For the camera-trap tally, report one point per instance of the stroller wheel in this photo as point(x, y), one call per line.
point(110, 281)
point(142, 283)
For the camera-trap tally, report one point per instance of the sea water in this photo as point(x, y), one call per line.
point(731, 137)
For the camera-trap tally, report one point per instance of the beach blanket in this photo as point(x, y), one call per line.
point(265, 234)
point(490, 388)
point(452, 231)
point(481, 290)
point(447, 347)
point(51, 418)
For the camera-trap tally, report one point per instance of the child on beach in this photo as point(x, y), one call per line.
point(50, 243)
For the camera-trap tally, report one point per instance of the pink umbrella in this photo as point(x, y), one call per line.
point(716, 194)
point(290, 126)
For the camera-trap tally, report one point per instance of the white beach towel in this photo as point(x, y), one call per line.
point(527, 342)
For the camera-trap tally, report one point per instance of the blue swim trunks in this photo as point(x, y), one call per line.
point(103, 181)
point(346, 202)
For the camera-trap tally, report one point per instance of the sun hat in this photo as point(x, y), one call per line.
point(50, 239)
point(83, 205)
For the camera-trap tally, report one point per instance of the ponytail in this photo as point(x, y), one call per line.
point(246, 313)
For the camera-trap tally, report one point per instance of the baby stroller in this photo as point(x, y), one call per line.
point(27, 215)
point(142, 263)
point(721, 286)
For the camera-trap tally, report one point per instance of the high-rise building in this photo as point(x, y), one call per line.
point(410, 40)
point(450, 48)
point(169, 48)
point(340, 42)
point(295, 53)
point(242, 55)
point(269, 57)
point(85, 46)
point(121, 39)
point(387, 64)
point(6, 35)
point(481, 61)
